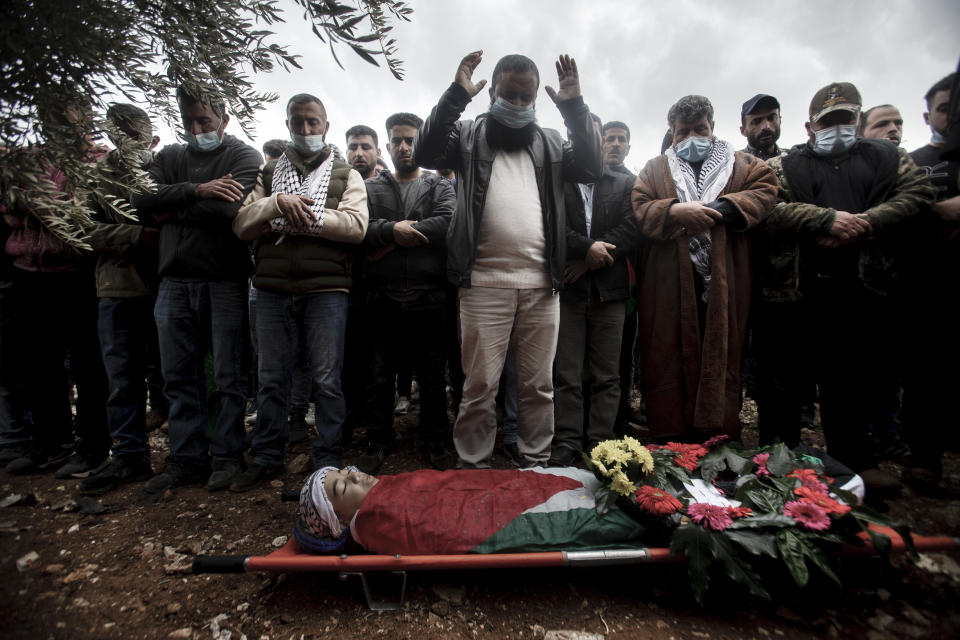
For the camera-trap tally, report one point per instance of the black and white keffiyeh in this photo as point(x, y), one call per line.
point(287, 179)
point(714, 174)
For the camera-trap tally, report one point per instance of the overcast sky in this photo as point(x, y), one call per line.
point(638, 58)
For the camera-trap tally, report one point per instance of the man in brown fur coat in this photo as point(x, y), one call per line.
point(693, 205)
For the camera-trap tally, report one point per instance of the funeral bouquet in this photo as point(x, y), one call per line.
point(719, 502)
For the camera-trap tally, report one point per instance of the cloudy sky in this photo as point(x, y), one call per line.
point(637, 58)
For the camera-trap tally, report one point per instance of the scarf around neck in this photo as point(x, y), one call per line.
point(288, 180)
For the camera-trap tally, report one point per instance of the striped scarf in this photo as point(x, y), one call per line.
point(714, 174)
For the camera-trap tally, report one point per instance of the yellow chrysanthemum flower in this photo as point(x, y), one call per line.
point(621, 484)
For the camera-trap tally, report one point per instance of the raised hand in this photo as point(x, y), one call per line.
point(464, 76)
point(568, 78)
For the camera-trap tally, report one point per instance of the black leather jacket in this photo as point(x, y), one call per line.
point(461, 145)
point(414, 268)
point(612, 221)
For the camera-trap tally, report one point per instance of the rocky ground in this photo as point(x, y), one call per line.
point(71, 568)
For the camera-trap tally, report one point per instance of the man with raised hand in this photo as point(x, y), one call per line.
point(305, 216)
point(506, 245)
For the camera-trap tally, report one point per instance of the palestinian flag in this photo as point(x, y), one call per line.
point(489, 511)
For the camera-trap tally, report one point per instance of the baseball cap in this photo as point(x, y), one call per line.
point(836, 96)
point(759, 100)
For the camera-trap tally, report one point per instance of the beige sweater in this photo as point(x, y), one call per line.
point(511, 243)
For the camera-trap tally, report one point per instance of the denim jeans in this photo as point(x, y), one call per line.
point(192, 319)
point(124, 327)
point(283, 319)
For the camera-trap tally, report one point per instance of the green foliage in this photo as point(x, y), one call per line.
point(701, 547)
point(89, 53)
point(720, 459)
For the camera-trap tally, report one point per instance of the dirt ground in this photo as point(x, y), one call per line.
point(124, 574)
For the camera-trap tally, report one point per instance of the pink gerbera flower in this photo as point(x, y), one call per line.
point(710, 516)
point(715, 440)
point(740, 512)
point(809, 515)
point(761, 461)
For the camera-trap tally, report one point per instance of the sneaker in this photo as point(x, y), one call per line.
point(299, 431)
point(39, 459)
point(81, 465)
point(224, 472)
point(155, 421)
point(177, 474)
point(10, 452)
point(512, 451)
point(403, 406)
point(119, 471)
point(563, 457)
point(371, 461)
point(255, 475)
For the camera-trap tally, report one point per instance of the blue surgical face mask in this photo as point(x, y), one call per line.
point(203, 141)
point(835, 139)
point(694, 148)
point(512, 116)
point(308, 145)
point(938, 139)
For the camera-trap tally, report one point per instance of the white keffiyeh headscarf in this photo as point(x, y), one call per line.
point(714, 174)
point(316, 510)
point(287, 179)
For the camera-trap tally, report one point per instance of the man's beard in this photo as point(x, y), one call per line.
point(507, 139)
point(764, 143)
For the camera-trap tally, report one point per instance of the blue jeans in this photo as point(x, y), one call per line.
point(124, 331)
point(319, 322)
point(192, 319)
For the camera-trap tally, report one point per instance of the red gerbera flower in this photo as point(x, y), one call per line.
point(809, 515)
point(740, 512)
point(688, 455)
point(656, 501)
point(808, 478)
point(715, 440)
point(710, 516)
point(761, 461)
point(822, 500)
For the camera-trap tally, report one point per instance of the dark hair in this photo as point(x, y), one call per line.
point(865, 115)
point(382, 163)
point(616, 124)
point(186, 97)
point(689, 109)
point(304, 98)
point(513, 63)
point(596, 119)
point(943, 84)
point(404, 119)
point(274, 148)
point(358, 130)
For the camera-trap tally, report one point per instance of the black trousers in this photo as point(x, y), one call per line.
point(398, 333)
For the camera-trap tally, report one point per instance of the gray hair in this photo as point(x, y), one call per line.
point(689, 109)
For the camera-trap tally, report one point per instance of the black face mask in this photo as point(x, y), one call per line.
point(507, 139)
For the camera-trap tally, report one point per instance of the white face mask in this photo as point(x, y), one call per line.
point(308, 145)
point(203, 141)
point(835, 139)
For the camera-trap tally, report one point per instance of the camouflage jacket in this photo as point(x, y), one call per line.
point(785, 243)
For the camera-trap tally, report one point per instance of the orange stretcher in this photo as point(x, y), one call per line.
point(290, 559)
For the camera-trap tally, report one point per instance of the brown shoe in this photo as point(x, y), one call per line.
point(156, 421)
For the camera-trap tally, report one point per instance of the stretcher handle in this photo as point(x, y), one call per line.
point(220, 564)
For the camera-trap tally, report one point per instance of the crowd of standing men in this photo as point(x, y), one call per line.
point(527, 253)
